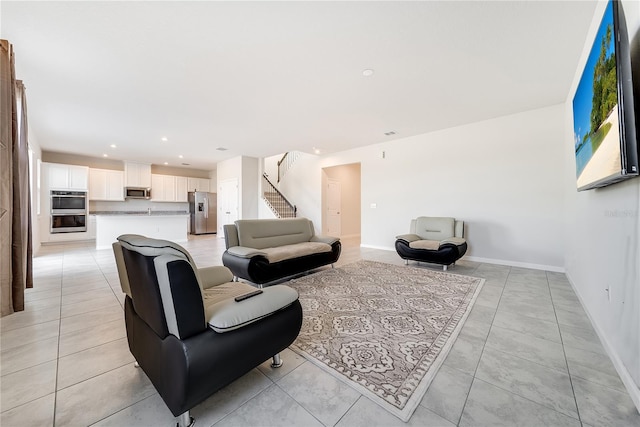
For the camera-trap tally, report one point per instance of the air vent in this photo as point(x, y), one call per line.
point(221, 149)
point(186, 164)
point(390, 133)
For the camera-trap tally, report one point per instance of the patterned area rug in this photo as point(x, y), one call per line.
point(383, 329)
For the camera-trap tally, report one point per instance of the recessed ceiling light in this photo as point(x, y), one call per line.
point(164, 139)
point(390, 133)
point(180, 156)
point(368, 72)
point(221, 149)
point(105, 155)
point(316, 150)
point(166, 163)
point(113, 146)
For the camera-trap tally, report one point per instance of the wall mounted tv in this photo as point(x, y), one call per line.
point(604, 122)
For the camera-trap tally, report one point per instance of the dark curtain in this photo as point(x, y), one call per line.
point(15, 206)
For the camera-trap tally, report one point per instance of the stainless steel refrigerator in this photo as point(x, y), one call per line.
point(203, 212)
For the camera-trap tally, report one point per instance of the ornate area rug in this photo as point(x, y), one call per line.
point(383, 329)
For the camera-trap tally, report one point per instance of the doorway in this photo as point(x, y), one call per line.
point(341, 201)
point(227, 203)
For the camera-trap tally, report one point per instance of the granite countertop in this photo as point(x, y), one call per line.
point(139, 213)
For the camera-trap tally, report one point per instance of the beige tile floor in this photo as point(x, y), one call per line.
point(527, 356)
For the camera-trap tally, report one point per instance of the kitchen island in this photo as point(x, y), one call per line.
point(167, 225)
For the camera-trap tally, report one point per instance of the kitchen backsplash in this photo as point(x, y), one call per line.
point(133, 205)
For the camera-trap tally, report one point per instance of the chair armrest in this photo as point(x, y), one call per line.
point(229, 314)
point(214, 276)
point(329, 240)
point(455, 240)
point(244, 252)
point(409, 237)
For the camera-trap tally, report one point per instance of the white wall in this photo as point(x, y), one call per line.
point(603, 231)
point(249, 184)
point(36, 181)
point(246, 171)
point(500, 176)
point(270, 167)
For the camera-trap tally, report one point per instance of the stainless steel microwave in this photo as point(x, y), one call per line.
point(137, 193)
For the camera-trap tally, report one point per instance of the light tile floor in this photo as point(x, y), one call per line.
point(527, 356)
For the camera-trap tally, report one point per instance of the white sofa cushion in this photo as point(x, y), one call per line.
point(224, 291)
point(432, 245)
point(285, 252)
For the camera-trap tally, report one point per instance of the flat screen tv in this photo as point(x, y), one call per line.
point(604, 122)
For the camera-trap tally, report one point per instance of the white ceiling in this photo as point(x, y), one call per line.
point(262, 78)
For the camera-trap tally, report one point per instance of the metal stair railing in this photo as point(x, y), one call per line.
point(276, 200)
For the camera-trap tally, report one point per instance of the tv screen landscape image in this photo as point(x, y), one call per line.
point(603, 118)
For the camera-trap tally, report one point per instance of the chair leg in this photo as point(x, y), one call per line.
point(136, 364)
point(332, 266)
point(185, 420)
point(444, 267)
point(406, 262)
point(277, 361)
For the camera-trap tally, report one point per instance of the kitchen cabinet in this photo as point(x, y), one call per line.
point(66, 177)
point(137, 174)
point(105, 184)
point(91, 227)
point(198, 184)
point(163, 188)
point(166, 227)
point(182, 189)
point(168, 188)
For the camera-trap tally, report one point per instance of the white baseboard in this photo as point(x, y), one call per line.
point(625, 376)
point(383, 248)
point(488, 260)
point(516, 264)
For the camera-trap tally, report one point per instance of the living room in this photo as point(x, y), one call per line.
point(511, 177)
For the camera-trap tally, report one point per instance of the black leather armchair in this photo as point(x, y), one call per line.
point(438, 240)
point(193, 339)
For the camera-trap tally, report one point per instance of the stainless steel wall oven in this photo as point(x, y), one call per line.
point(68, 211)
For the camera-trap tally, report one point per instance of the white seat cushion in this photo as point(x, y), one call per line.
point(229, 314)
point(282, 253)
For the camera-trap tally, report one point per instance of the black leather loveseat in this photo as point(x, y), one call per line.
point(264, 250)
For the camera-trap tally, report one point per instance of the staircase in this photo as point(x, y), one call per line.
point(280, 206)
point(286, 162)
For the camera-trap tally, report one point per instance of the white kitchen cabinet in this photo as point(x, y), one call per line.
point(137, 174)
point(166, 227)
point(163, 188)
point(91, 227)
point(198, 184)
point(105, 184)
point(182, 189)
point(66, 177)
point(57, 175)
point(78, 177)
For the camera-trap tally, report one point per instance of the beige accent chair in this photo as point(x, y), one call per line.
point(438, 240)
